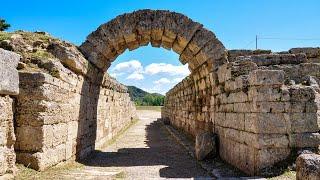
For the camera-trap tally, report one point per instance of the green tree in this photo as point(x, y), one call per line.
point(3, 25)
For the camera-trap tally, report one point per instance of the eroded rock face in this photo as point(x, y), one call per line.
point(206, 145)
point(308, 167)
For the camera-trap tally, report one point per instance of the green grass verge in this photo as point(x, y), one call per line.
point(151, 108)
point(51, 173)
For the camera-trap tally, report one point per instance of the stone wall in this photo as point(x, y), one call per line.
point(8, 90)
point(67, 118)
point(261, 106)
point(66, 107)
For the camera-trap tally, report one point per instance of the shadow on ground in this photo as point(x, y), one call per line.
point(162, 151)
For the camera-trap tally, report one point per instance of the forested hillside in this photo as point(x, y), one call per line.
point(143, 98)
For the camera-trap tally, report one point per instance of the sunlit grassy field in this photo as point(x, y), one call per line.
point(153, 108)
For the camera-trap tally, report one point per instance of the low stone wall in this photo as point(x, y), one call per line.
point(67, 119)
point(261, 107)
point(8, 90)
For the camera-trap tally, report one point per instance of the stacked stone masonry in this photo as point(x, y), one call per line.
point(67, 118)
point(8, 90)
point(262, 105)
point(66, 107)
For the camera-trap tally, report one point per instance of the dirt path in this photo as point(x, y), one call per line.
point(144, 151)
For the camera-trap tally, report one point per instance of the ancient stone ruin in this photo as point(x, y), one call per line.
point(61, 101)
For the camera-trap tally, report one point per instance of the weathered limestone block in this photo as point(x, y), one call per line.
point(144, 26)
point(267, 123)
point(274, 59)
point(214, 52)
point(231, 71)
point(266, 93)
point(199, 40)
point(266, 77)
point(249, 159)
point(233, 54)
point(308, 167)
point(303, 140)
point(206, 145)
point(69, 55)
point(302, 93)
point(7, 137)
point(304, 122)
point(269, 156)
point(9, 84)
point(186, 31)
point(261, 141)
point(313, 54)
point(158, 27)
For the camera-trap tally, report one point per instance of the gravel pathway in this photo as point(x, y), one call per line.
point(145, 151)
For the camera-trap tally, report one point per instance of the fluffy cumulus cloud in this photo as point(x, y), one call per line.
point(155, 77)
point(128, 66)
point(156, 68)
point(133, 67)
point(135, 76)
point(162, 81)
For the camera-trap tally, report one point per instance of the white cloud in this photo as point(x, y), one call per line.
point(115, 75)
point(156, 68)
point(177, 80)
point(155, 89)
point(162, 81)
point(135, 76)
point(128, 66)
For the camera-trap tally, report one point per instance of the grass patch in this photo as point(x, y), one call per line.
point(4, 36)
point(41, 54)
point(150, 108)
point(286, 175)
point(51, 173)
point(121, 175)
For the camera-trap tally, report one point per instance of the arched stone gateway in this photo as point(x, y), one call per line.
point(247, 102)
point(262, 105)
point(195, 44)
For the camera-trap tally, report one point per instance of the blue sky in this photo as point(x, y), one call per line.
point(234, 22)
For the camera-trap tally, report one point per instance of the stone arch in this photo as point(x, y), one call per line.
point(170, 30)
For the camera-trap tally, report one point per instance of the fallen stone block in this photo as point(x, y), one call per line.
point(308, 167)
point(206, 145)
